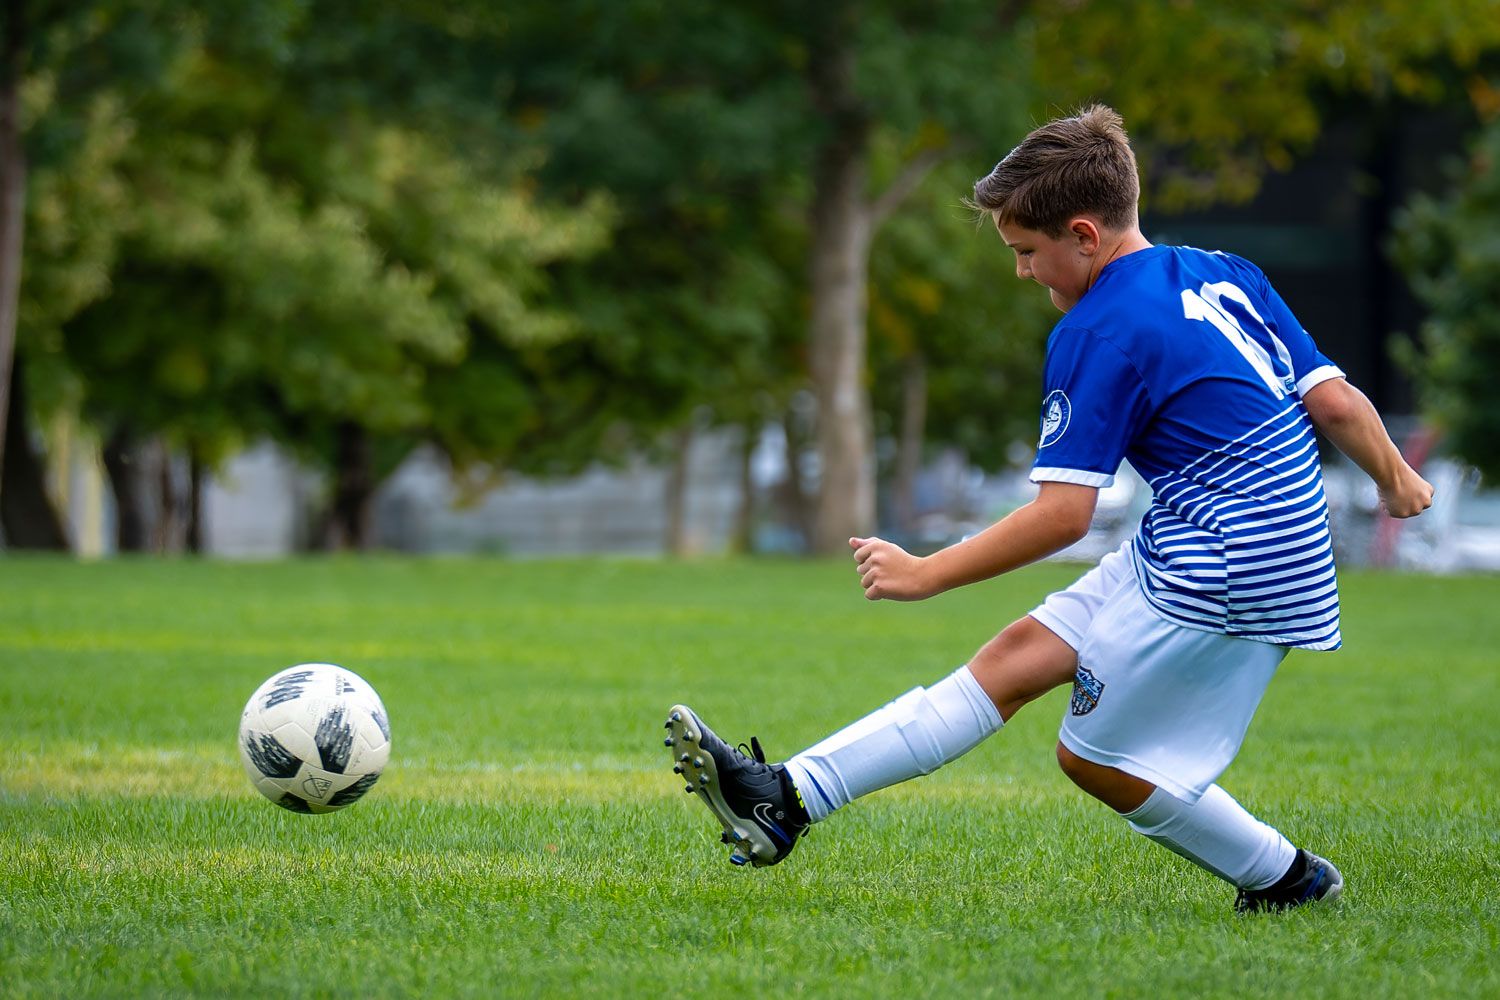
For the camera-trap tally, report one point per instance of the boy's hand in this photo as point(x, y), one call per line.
point(1408, 497)
point(889, 572)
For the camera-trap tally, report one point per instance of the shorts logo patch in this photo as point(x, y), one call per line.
point(1057, 411)
point(1086, 691)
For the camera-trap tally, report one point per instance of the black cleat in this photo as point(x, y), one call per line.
point(1318, 879)
point(755, 802)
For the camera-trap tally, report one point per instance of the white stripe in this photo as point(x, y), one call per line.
point(1238, 450)
point(1313, 517)
point(1331, 603)
point(1316, 377)
point(1247, 570)
point(1254, 430)
point(1330, 587)
point(1300, 510)
point(1268, 445)
point(1050, 474)
point(1310, 444)
point(1315, 588)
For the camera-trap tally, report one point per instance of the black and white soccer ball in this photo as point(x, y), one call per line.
point(314, 738)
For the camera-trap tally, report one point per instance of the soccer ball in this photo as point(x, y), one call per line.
point(314, 738)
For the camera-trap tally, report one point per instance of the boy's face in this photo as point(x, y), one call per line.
point(1061, 264)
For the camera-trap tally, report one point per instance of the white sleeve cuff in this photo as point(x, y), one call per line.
point(1047, 474)
point(1316, 376)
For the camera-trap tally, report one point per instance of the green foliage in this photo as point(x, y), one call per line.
point(1216, 94)
point(276, 259)
point(272, 217)
point(943, 286)
point(691, 116)
point(1449, 248)
point(528, 839)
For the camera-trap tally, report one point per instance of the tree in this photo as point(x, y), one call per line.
point(1449, 248)
point(59, 64)
point(1218, 95)
point(293, 266)
point(955, 339)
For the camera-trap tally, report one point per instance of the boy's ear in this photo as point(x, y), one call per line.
point(1086, 232)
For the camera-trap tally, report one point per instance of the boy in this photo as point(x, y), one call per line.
point(1190, 365)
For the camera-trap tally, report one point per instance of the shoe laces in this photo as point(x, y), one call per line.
point(753, 751)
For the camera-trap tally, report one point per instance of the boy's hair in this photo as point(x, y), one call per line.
point(1081, 165)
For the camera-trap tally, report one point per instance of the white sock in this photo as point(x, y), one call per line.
point(1216, 833)
point(916, 734)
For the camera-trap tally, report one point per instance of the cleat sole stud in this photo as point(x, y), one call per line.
point(676, 768)
point(688, 789)
point(697, 761)
point(683, 759)
point(676, 717)
point(668, 741)
point(702, 779)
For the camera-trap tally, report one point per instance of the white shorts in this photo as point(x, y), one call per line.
point(1154, 699)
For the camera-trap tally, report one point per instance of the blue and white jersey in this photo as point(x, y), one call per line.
point(1189, 365)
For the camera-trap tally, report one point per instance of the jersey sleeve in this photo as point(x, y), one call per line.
point(1309, 365)
point(1094, 403)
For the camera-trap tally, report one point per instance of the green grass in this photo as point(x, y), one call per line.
point(528, 838)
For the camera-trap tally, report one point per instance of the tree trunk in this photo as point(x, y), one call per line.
point(677, 541)
point(196, 472)
point(123, 463)
point(169, 521)
point(743, 539)
point(798, 500)
point(909, 445)
point(26, 512)
point(842, 226)
point(12, 199)
point(354, 488)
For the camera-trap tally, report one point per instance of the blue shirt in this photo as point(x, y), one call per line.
point(1189, 365)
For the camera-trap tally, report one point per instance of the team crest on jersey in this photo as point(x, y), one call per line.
point(1056, 412)
point(1086, 691)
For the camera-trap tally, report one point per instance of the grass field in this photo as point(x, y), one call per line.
point(529, 839)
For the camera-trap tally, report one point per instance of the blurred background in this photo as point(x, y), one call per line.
point(685, 277)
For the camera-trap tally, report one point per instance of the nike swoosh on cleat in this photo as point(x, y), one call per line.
point(765, 817)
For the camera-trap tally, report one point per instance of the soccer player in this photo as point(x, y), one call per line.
point(1188, 364)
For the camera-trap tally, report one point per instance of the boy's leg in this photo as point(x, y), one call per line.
point(1216, 833)
point(764, 808)
point(927, 727)
point(1158, 711)
point(924, 729)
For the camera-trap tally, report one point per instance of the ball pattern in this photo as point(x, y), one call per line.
point(314, 738)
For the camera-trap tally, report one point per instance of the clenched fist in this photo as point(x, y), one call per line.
point(888, 572)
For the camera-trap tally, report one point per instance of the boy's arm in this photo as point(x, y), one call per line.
point(1059, 516)
point(1347, 418)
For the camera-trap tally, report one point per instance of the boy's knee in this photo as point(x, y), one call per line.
point(1120, 791)
point(1012, 639)
point(1075, 767)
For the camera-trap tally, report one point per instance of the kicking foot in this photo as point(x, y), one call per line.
point(1318, 880)
point(755, 802)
